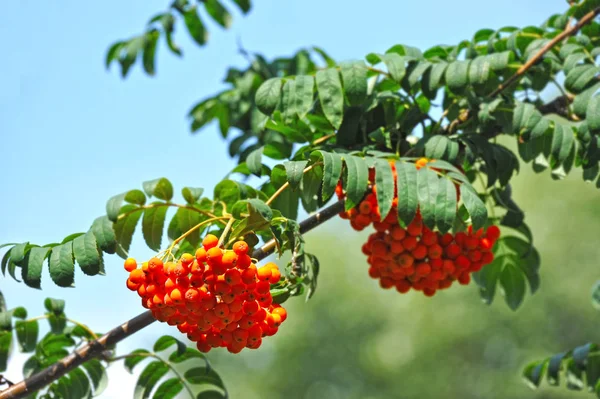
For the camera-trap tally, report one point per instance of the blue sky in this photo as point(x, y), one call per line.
point(74, 134)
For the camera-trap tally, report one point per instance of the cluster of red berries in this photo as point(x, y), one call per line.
point(417, 257)
point(426, 260)
point(219, 298)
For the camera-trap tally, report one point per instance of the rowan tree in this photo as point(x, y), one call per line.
point(402, 143)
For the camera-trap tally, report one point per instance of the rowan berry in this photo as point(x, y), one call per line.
point(132, 286)
point(229, 259)
point(419, 252)
point(240, 248)
point(275, 275)
point(137, 276)
point(130, 264)
point(154, 264)
point(264, 273)
point(493, 233)
point(210, 241)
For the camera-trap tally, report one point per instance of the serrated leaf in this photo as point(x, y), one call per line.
point(294, 171)
point(268, 94)
point(31, 271)
point(433, 79)
point(445, 205)
point(153, 372)
point(55, 306)
point(562, 143)
point(195, 26)
point(407, 191)
point(149, 52)
point(332, 170)
point(254, 161)
point(354, 77)
point(189, 353)
point(457, 75)
point(203, 376)
point(215, 9)
point(475, 206)
point(513, 285)
point(102, 228)
point(580, 76)
point(27, 334)
point(593, 114)
point(427, 187)
point(168, 389)
point(192, 194)
point(396, 65)
point(62, 266)
point(160, 188)
point(244, 5)
point(166, 341)
point(331, 95)
point(97, 374)
point(479, 71)
point(304, 94)
point(288, 101)
point(153, 223)
point(124, 229)
point(357, 178)
point(18, 252)
point(113, 206)
point(211, 394)
point(134, 358)
point(385, 186)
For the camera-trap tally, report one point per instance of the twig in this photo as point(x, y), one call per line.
point(97, 347)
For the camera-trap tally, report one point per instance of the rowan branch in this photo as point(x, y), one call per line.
point(96, 347)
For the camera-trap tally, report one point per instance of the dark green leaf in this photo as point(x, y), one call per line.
point(457, 75)
point(18, 252)
point(254, 161)
point(294, 171)
point(579, 77)
point(244, 5)
point(149, 53)
point(168, 389)
point(593, 114)
point(192, 194)
point(97, 374)
point(113, 53)
point(445, 205)
point(55, 306)
point(202, 376)
point(113, 206)
point(354, 77)
point(62, 266)
point(219, 13)
point(304, 94)
point(31, 271)
point(396, 65)
point(160, 188)
point(102, 228)
point(433, 79)
point(332, 170)
point(475, 206)
point(189, 353)
point(195, 25)
point(5, 348)
point(407, 191)
point(153, 372)
point(211, 394)
point(124, 229)
point(268, 94)
point(27, 334)
point(331, 95)
point(562, 143)
point(427, 193)
point(134, 358)
point(153, 224)
point(166, 341)
point(513, 285)
point(385, 186)
point(357, 178)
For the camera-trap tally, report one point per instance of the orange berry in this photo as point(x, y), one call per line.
point(240, 247)
point(415, 228)
point(264, 273)
point(130, 264)
point(487, 258)
point(233, 277)
point(201, 255)
point(132, 286)
point(405, 260)
point(275, 276)
point(429, 238)
point(154, 264)
point(222, 288)
point(398, 233)
point(192, 295)
point(249, 276)
point(421, 162)
point(229, 259)
point(423, 269)
point(210, 241)
point(452, 251)
point(250, 307)
point(214, 256)
point(137, 276)
point(485, 244)
point(187, 259)
point(396, 247)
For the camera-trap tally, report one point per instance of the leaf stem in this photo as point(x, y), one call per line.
point(158, 205)
point(287, 184)
point(226, 231)
point(169, 250)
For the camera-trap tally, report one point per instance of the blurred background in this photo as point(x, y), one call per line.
point(74, 134)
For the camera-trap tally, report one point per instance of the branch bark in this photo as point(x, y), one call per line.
point(96, 347)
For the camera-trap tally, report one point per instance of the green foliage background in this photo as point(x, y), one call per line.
point(354, 340)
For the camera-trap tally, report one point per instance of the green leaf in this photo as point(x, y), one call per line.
point(55, 306)
point(27, 335)
point(396, 65)
point(294, 171)
point(192, 194)
point(332, 171)
point(113, 206)
point(132, 48)
point(31, 271)
point(427, 192)
point(18, 252)
point(202, 376)
point(102, 228)
point(288, 101)
point(5, 347)
point(166, 341)
point(580, 76)
point(331, 95)
point(407, 191)
point(211, 394)
point(113, 53)
point(268, 94)
point(593, 114)
point(188, 354)
point(479, 71)
point(149, 52)
point(475, 206)
point(445, 205)
point(441, 147)
point(596, 295)
point(244, 5)
point(195, 25)
point(62, 266)
point(124, 229)
point(457, 75)
point(219, 13)
point(354, 77)
point(357, 178)
point(2, 303)
point(512, 282)
point(433, 79)
point(385, 186)
point(97, 374)
point(134, 358)
point(562, 143)
point(168, 389)
point(87, 255)
point(304, 94)
point(153, 224)
point(159, 188)
point(254, 161)
point(153, 372)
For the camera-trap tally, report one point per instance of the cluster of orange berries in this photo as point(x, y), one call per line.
point(219, 298)
point(426, 260)
point(417, 257)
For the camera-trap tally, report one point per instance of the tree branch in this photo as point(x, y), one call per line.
point(97, 347)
